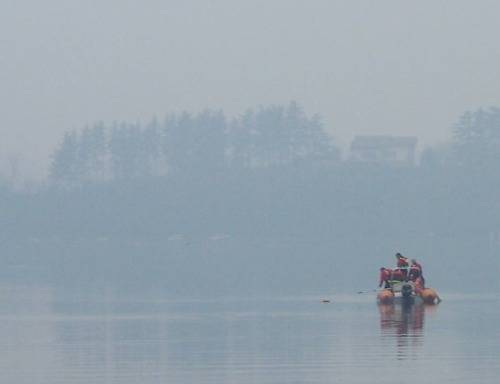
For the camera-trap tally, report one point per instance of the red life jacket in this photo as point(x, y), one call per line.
point(402, 262)
point(398, 274)
point(415, 271)
point(385, 275)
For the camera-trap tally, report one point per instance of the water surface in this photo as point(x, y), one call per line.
point(52, 337)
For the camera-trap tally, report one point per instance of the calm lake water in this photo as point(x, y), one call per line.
point(51, 337)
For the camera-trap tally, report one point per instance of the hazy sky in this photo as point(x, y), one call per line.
point(380, 66)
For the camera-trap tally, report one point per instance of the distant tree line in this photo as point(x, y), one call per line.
point(475, 143)
point(187, 144)
point(273, 171)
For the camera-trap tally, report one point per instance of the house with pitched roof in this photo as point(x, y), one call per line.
point(380, 149)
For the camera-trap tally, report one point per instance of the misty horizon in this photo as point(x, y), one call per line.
point(264, 191)
point(385, 67)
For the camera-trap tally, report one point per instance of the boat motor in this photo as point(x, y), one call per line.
point(406, 290)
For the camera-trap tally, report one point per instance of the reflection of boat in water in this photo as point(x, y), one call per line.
point(402, 320)
point(407, 292)
point(404, 324)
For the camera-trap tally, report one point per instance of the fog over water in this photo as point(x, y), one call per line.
point(199, 204)
point(169, 155)
point(204, 191)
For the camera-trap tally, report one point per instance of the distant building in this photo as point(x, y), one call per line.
point(392, 150)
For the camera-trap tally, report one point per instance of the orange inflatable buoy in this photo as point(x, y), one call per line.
point(385, 297)
point(429, 296)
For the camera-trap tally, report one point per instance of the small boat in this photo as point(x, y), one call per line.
point(407, 292)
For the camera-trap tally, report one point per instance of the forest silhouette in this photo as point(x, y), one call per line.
point(270, 176)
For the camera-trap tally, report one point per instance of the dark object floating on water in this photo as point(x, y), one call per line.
point(325, 301)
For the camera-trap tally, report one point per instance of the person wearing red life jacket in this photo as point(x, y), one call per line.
point(416, 272)
point(419, 286)
point(385, 277)
point(402, 264)
point(398, 275)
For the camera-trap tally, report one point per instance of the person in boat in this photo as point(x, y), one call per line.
point(389, 277)
point(398, 275)
point(385, 277)
point(402, 264)
point(415, 273)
